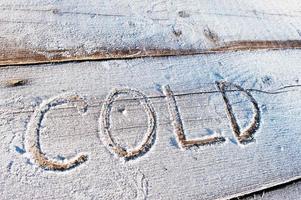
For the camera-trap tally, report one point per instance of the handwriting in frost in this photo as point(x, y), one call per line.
point(105, 123)
point(178, 126)
point(33, 135)
point(33, 130)
point(247, 134)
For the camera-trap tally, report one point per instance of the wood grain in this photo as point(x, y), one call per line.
point(56, 31)
point(164, 170)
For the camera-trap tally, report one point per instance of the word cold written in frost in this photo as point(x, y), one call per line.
point(33, 130)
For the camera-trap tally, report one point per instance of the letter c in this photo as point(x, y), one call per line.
point(33, 134)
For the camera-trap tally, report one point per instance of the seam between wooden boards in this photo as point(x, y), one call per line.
point(267, 187)
point(36, 56)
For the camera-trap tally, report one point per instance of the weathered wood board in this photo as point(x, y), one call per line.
point(38, 114)
point(49, 31)
point(291, 191)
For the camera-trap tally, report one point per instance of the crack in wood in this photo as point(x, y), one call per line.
point(273, 92)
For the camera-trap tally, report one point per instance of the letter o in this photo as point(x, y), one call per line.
point(104, 123)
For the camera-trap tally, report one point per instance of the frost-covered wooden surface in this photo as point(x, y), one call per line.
point(42, 31)
point(40, 112)
point(291, 191)
point(220, 122)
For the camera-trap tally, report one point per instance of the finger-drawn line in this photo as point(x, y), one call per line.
point(141, 184)
point(105, 123)
point(33, 136)
point(178, 125)
point(246, 135)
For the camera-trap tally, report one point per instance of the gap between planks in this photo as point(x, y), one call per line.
point(35, 56)
point(268, 187)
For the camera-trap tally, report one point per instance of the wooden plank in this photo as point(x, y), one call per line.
point(53, 31)
point(291, 191)
point(60, 146)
